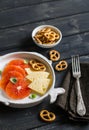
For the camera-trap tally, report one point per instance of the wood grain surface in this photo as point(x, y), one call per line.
point(18, 18)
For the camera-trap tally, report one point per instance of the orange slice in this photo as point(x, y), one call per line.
point(19, 90)
point(9, 68)
point(0, 83)
point(6, 78)
point(19, 62)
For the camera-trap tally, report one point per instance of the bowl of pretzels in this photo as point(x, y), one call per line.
point(46, 36)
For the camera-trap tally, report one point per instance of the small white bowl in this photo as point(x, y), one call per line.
point(46, 45)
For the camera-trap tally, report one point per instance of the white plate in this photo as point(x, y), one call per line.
point(27, 102)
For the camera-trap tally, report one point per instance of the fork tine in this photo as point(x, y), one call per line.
point(78, 64)
point(75, 63)
point(76, 58)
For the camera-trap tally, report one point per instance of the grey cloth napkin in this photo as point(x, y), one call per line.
point(68, 101)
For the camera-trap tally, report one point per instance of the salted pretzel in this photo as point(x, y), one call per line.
point(47, 35)
point(47, 116)
point(50, 36)
point(32, 62)
point(46, 29)
point(38, 40)
point(54, 55)
point(54, 34)
point(37, 65)
point(62, 65)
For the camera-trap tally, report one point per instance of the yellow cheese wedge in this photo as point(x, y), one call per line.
point(40, 85)
point(29, 70)
point(32, 75)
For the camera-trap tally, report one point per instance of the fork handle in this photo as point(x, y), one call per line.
point(81, 110)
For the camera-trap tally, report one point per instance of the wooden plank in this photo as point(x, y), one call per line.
point(78, 44)
point(65, 126)
point(45, 11)
point(8, 4)
point(20, 37)
point(23, 119)
point(68, 25)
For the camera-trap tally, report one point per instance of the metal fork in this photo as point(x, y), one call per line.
point(81, 110)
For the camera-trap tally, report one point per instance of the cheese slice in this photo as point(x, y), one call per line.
point(40, 85)
point(29, 70)
point(35, 75)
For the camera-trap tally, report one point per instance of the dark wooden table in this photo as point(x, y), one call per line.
point(17, 20)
